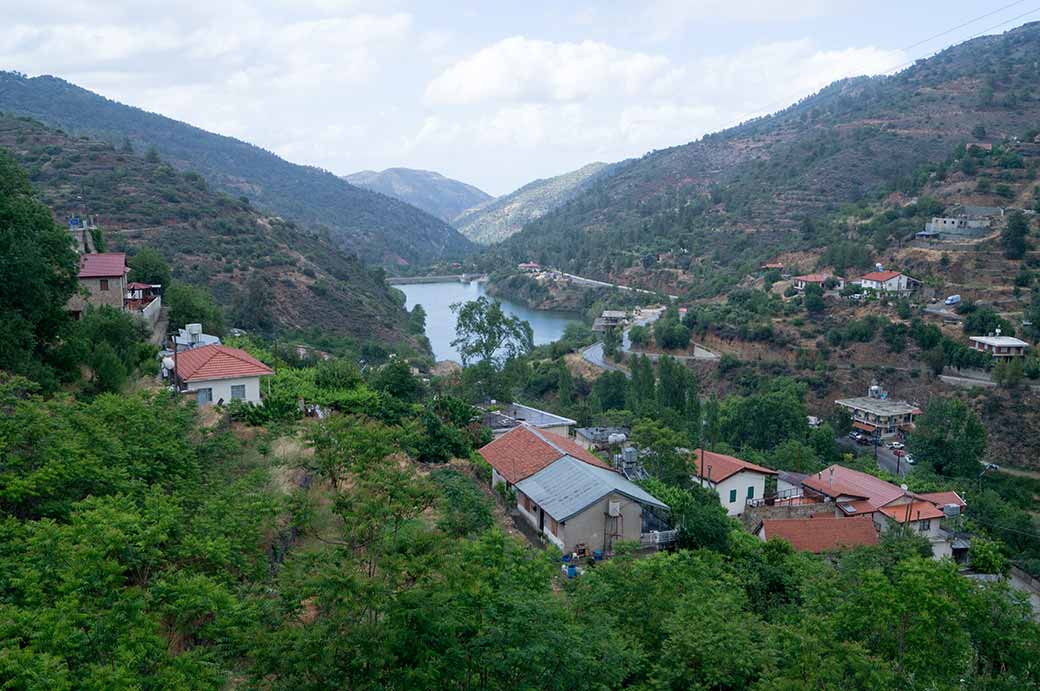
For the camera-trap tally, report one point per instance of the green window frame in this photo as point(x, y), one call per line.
point(751, 492)
point(733, 496)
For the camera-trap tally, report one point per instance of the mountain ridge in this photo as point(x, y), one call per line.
point(498, 219)
point(733, 197)
point(434, 193)
point(378, 228)
point(267, 273)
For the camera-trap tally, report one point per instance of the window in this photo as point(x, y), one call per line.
point(751, 492)
point(552, 525)
point(104, 284)
point(238, 392)
point(733, 496)
point(925, 526)
point(204, 396)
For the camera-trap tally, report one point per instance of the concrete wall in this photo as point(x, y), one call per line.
point(112, 297)
point(222, 388)
point(562, 430)
point(152, 310)
point(753, 515)
point(588, 526)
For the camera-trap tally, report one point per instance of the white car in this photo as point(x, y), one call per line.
point(909, 459)
point(896, 445)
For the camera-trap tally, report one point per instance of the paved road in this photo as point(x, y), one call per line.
point(581, 280)
point(942, 311)
point(594, 353)
point(886, 459)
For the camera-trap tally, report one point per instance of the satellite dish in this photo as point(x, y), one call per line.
point(167, 363)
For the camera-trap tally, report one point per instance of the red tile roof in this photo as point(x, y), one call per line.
point(104, 265)
point(880, 276)
point(919, 511)
point(723, 466)
point(218, 362)
point(524, 450)
point(812, 278)
point(822, 534)
point(943, 498)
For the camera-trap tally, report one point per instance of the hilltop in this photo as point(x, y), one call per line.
point(432, 192)
point(738, 196)
point(498, 219)
point(378, 228)
point(269, 274)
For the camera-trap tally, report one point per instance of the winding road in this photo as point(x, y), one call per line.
point(594, 354)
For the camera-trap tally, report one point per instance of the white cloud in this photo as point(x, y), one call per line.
point(523, 69)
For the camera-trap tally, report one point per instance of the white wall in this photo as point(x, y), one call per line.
point(222, 388)
point(740, 482)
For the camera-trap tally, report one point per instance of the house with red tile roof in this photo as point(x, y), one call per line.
point(888, 282)
point(735, 480)
point(890, 507)
point(219, 374)
point(820, 533)
point(571, 497)
point(102, 281)
point(800, 282)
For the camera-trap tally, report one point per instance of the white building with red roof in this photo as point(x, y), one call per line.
point(569, 495)
point(800, 282)
point(888, 282)
point(890, 506)
point(219, 374)
point(102, 281)
point(735, 480)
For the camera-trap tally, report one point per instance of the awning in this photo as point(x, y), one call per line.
point(865, 426)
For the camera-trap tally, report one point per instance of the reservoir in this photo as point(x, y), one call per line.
point(437, 299)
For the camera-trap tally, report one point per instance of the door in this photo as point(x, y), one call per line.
point(541, 520)
point(204, 396)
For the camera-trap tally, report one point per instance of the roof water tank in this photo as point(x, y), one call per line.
point(616, 438)
point(951, 510)
point(193, 329)
point(167, 363)
point(614, 508)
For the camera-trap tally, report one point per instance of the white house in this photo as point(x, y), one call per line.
point(888, 282)
point(800, 282)
point(219, 374)
point(877, 414)
point(736, 481)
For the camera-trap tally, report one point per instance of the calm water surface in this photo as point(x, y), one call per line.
point(437, 299)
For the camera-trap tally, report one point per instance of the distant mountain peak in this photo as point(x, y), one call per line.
point(428, 190)
point(497, 219)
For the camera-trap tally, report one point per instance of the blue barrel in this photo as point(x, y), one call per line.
point(597, 555)
point(572, 571)
point(566, 557)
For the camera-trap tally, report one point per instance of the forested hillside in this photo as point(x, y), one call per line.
point(432, 192)
point(379, 229)
point(266, 273)
point(748, 192)
point(498, 219)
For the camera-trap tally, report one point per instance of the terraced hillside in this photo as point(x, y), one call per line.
point(265, 271)
point(739, 195)
point(377, 228)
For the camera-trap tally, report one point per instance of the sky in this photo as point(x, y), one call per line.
point(495, 94)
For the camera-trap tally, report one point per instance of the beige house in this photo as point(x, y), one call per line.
point(508, 417)
point(102, 281)
point(569, 496)
point(1000, 347)
point(877, 414)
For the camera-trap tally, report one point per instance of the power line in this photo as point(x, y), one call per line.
point(961, 26)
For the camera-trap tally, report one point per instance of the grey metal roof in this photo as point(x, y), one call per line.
point(600, 434)
point(568, 486)
point(538, 418)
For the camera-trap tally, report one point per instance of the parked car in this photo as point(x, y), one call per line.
point(896, 445)
point(863, 440)
point(910, 459)
point(854, 436)
point(952, 300)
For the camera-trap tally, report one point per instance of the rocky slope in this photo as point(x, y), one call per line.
point(432, 192)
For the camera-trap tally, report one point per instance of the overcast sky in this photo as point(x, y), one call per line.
point(492, 93)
